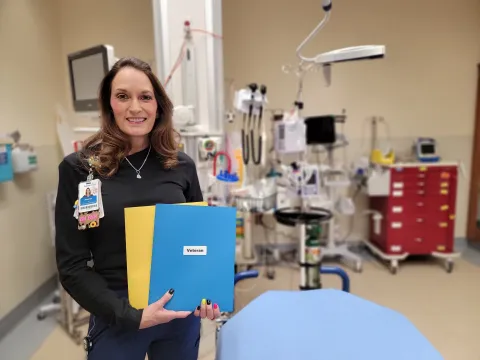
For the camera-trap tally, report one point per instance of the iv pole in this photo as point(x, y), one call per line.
point(304, 66)
point(306, 63)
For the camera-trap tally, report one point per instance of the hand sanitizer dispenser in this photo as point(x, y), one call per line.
point(6, 165)
point(24, 159)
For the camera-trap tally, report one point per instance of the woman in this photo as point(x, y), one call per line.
point(88, 198)
point(136, 159)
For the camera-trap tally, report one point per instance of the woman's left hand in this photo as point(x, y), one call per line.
point(207, 310)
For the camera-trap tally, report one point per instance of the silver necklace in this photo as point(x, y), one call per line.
point(139, 169)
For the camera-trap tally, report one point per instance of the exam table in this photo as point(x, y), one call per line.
point(243, 275)
point(320, 324)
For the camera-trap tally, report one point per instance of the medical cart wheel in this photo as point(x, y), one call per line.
point(358, 267)
point(41, 316)
point(449, 264)
point(270, 274)
point(393, 269)
point(393, 266)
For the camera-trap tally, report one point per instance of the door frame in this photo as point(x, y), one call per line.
point(473, 232)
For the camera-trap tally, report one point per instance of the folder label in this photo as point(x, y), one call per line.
point(194, 250)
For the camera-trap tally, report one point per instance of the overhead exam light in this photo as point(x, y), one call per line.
point(363, 52)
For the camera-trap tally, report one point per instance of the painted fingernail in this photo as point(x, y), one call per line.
point(198, 307)
point(208, 302)
point(204, 301)
point(171, 291)
point(215, 306)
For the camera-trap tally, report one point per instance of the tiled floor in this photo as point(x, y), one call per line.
point(444, 307)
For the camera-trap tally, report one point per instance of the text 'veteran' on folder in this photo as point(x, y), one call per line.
point(139, 225)
point(193, 253)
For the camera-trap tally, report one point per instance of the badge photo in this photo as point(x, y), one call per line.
point(88, 196)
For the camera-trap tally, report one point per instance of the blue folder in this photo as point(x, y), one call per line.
point(194, 253)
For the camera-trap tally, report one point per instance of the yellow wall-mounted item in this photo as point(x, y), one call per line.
point(139, 229)
point(237, 153)
point(379, 158)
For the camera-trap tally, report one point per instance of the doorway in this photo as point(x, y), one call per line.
point(473, 227)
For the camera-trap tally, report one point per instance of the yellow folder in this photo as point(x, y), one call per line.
point(139, 228)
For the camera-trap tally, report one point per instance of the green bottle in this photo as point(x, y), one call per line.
point(313, 256)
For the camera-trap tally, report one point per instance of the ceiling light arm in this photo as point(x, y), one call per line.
point(327, 6)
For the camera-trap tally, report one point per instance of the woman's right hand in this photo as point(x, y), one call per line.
point(155, 313)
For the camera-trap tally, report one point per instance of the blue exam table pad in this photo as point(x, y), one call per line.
point(320, 324)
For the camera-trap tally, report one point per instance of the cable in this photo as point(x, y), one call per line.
point(245, 135)
point(181, 54)
point(245, 142)
point(257, 158)
point(216, 36)
point(177, 63)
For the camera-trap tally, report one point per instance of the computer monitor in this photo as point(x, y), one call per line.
point(87, 69)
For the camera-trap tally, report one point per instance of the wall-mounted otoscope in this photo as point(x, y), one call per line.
point(257, 157)
point(247, 125)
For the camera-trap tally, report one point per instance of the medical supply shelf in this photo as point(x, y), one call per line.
point(417, 214)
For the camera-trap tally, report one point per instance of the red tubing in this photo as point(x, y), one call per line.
point(229, 162)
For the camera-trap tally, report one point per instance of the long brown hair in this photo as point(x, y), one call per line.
point(110, 145)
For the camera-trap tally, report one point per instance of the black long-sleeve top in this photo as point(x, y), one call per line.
point(95, 289)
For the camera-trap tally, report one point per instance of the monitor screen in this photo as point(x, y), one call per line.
point(87, 69)
point(428, 149)
point(88, 72)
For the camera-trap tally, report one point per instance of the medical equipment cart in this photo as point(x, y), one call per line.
point(417, 206)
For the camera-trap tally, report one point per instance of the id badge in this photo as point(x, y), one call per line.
point(88, 196)
point(89, 206)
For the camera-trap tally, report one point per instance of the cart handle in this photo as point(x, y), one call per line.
point(333, 270)
point(249, 274)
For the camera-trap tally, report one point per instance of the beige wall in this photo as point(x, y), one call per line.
point(425, 86)
point(126, 25)
point(29, 86)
